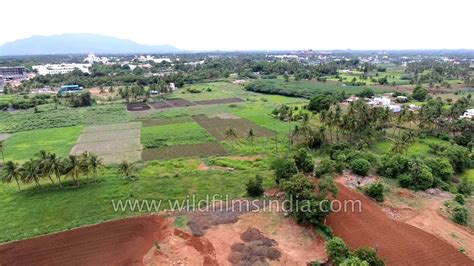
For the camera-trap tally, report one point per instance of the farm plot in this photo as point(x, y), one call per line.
point(216, 126)
point(185, 150)
point(219, 101)
point(22, 146)
point(166, 121)
point(173, 134)
point(113, 143)
point(180, 102)
point(134, 107)
point(161, 105)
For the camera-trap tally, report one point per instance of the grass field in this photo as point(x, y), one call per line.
point(31, 213)
point(421, 146)
point(173, 134)
point(22, 146)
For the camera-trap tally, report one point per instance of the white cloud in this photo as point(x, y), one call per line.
point(251, 24)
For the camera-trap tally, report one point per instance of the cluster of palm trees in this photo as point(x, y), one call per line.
point(49, 166)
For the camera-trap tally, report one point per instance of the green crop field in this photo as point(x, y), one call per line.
point(174, 134)
point(22, 146)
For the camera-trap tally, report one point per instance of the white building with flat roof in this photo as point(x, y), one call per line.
point(469, 114)
point(53, 69)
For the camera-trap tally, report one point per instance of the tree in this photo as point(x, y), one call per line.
point(375, 191)
point(465, 187)
point(304, 161)
point(230, 133)
point(320, 102)
point(337, 250)
point(360, 166)
point(53, 166)
point(95, 163)
point(419, 93)
point(440, 167)
point(421, 174)
point(460, 215)
point(12, 172)
point(30, 172)
point(284, 169)
point(326, 185)
point(366, 93)
point(251, 136)
point(73, 168)
point(326, 166)
point(126, 169)
point(255, 186)
point(353, 261)
point(369, 255)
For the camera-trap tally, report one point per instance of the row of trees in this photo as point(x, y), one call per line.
point(49, 166)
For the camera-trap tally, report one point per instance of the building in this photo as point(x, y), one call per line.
point(384, 101)
point(61, 68)
point(469, 114)
point(69, 89)
point(12, 73)
point(92, 58)
point(401, 99)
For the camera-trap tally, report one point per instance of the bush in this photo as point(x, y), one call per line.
point(405, 180)
point(460, 215)
point(465, 187)
point(369, 255)
point(375, 191)
point(421, 174)
point(304, 161)
point(326, 166)
point(360, 167)
point(393, 166)
point(284, 169)
point(440, 167)
point(366, 93)
point(353, 261)
point(337, 250)
point(419, 93)
point(459, 198)
point(255, 187)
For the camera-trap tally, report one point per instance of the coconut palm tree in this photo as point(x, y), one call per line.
point(251, 136)
point(30, 172)
point(54, 167)
point(95, 163)
point(126, 169)
point(73, 168)
point(231, 134)
point(84, 163)
point(44, 165)
point(12, 172)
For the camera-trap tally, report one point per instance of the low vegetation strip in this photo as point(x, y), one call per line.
point(219, 101)
point(396, 242)
point(112, 127)
point(217, 127)
point(174, 134)
point(186, 150)
point(166, 121)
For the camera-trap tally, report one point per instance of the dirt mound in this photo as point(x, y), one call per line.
point(112, 243)
point(256, 249)
point(396, 242)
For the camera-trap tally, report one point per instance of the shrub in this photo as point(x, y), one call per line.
point(284, 169)
point(320, 102)
point(326, 166)
point(421, 174)
point(375, 191)
point(369, 255)
point(304, 161)
point(459, 198)
point(460, 215)
point(255, 187)
point(393, 166)
point(465, 187)
point(360, 166)
point(405, 180)
point(353, 261)
point(440, 167)
point(419, 93)
point(337, 250)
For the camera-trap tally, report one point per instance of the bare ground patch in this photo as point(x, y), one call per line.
point(217, 126)
point(135, 107)
point(112, 127)
point(4, 136)
point(109, 135)
point(166, 121)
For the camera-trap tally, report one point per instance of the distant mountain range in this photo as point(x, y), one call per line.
point(79, 44)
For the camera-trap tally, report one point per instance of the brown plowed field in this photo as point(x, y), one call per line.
point(121, 242)
point(397, 243)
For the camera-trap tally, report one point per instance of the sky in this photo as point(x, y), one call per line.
point(251, 24)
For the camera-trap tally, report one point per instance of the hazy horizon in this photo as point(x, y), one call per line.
point(252, 26)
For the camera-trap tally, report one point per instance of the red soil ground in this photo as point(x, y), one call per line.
point(396, 242)
point(121, 242)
